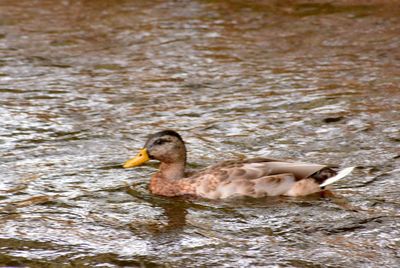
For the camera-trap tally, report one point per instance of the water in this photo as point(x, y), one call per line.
point(82, 83)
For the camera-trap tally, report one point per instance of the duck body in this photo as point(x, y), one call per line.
point(254, 177)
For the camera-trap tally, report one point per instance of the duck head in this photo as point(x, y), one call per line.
point(165, 146)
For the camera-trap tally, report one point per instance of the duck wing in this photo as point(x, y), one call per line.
point(254, 168)
point(262, 177)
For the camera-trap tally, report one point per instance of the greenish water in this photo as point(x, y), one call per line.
point(82, 83)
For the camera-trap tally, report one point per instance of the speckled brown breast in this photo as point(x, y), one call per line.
point(161, 186)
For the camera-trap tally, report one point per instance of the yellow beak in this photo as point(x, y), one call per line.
point(139, 159)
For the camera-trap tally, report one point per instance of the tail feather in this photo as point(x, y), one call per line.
point(341, 174)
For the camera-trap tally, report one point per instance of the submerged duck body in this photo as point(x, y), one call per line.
point(254, 177)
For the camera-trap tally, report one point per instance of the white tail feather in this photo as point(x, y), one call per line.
point(343, 173)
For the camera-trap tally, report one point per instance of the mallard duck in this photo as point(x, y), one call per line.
point(254, 177)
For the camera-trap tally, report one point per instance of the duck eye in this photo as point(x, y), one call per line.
point(160, 141)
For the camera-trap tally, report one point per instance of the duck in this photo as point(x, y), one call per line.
point(250, 177)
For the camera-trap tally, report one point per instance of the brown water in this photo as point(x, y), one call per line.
point(82, 83)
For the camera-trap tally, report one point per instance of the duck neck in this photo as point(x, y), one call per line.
point(173, 171)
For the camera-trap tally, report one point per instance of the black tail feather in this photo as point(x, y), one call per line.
point(323, 175)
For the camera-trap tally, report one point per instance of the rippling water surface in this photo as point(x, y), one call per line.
point(82, 83)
